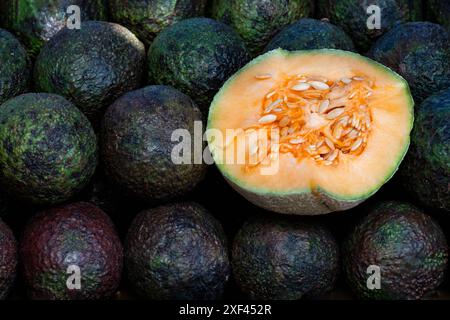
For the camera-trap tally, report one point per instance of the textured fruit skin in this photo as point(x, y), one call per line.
point(258, 21)
point(178, 251)
point(76, 234)
point(418, 51)
point(305, 202)
point(48, 149)
point(284, 259)
point(146, 18)
point(136, 145)
point(14, 67)
point(37, 21)
point(196, 56)
point(8, 259)
point(111, 63)
point(426, 170)
point(352, 16)
point(307, 34)
point(440, 10)
point(408, 246)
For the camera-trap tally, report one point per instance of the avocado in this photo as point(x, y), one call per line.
point(48, 149)
point(354, 16)
point(407, 246)
point(307, 34)
point(14, 67)
point(110, 63)
point(137, 147)
point(258, 21)
point(177, 251)
point(430, 151)
point(440, 11)
point(74, 236)
point(146, 18)
point(196, 56)
point(420, 52)
point(8, 259)
point(280, 258)
point(37, 21)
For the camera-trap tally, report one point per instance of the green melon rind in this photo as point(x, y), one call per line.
point(306, 201)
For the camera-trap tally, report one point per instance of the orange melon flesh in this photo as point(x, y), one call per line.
point(300, 184)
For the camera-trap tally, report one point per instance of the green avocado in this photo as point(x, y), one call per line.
point(196, 56)
point(8, 260)
point(91, 67)
point(14, 67)
point(354, 15)
point(37, 21)
point(258, 21)
point(282, 258)
point(407, 246)
point(440, 11)
point(76, 235)
point(426, 170)
point(178, 251)
point(48, 149)
point(307, 34)
point(146, 18)
point(139, 139)
point(420, 52)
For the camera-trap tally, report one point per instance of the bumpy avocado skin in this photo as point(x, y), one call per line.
point(307, 34)
point(426, 170)
point(48, 149)
point(408, 246)
point(352, 16)
point(258, 21)
point(137, 146)
point(37, 21)
point(14, 67)
point(146, 18)
point(419, 51)
point(284, 258)
point(77, 234)
point(8, 260)
point(196, 56)
point(92, 66)
point(178, 251)
point(440, 11)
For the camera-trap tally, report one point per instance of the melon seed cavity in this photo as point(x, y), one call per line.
point(318, 118)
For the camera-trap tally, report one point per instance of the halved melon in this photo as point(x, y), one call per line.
point(310, 132)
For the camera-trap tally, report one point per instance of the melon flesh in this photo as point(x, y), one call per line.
point(360, 93)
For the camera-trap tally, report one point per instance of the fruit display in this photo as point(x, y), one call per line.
point(224, 150)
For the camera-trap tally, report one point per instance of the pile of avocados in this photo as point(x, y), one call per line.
point(98, 199)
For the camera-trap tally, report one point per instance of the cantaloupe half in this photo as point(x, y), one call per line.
point(310, 132)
